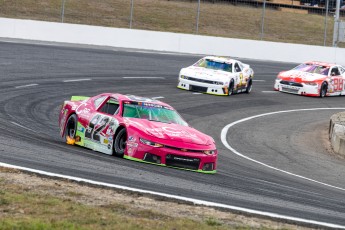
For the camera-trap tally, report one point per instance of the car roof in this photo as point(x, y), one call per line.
point(320, 63)
point(221, 59)
point(133, 98)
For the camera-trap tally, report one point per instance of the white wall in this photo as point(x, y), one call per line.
point(164, 41)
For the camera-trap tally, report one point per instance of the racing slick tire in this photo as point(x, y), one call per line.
point(249, 86)
point(323, 89)
point(231, 87)
point(71, 127)
point(120, 143)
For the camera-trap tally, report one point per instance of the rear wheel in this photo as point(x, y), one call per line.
point(71, 128)
point(249, 86)
point(120, 143)
point(323, 90)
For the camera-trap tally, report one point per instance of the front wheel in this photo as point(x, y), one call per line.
point(120, 143)
point(231, 88)
point(323, 90)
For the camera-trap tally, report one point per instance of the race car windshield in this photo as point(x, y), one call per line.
point(152, 112)
point(311, 68)
point(211, 64)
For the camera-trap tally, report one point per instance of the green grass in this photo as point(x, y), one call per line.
point(31, 202)
point(223, 20)
point(23, 207)
point(27, 210)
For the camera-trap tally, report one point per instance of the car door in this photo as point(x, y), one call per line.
point(102, 125)
point(337, 80)
point(342, 73)
point(239, 76)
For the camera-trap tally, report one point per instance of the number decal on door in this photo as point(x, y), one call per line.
point(338, 84)
point(91, 126)
point(96, 126)
point(100, 127)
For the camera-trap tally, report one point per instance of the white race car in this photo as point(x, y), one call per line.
point(217, 75)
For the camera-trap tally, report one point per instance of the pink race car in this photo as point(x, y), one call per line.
point(136, 128)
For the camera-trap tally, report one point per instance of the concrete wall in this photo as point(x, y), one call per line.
point(337, 133)
point(164, 41)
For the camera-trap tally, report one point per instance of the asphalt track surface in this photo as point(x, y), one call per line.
point(33, 86)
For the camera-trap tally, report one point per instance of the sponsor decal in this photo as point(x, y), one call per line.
point(81, 129)
point(132, 145)
point(105, 141)
point(131, 139)
point(129, 150)
point(110, 138)
point(109, 146)
point(77, 139)
point(183, 159)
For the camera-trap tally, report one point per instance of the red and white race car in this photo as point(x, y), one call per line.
point(317, 79)
point(136, 128)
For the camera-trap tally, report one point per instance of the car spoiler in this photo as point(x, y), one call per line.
point(79, 98)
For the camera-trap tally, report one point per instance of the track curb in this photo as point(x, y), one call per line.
point(337, 132)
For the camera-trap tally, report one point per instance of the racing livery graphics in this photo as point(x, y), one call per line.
point(217, 75)
point(317, 79)
point(136, 128)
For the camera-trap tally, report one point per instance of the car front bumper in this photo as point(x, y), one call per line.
point(202, 87)
point(172, 157)
point(303, 89)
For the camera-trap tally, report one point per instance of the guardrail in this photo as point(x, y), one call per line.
point(337, 133)
point(166, 41)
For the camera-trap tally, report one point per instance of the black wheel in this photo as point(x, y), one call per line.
point(249, 86)
point(120, 143)
point(323, 89)
point(231, 88)
point(71, 127)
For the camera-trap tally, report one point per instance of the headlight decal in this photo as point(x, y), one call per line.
point(150, 143)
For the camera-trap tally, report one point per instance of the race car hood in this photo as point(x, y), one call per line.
point(299, 76)
point(206, 74)
point(170, 132)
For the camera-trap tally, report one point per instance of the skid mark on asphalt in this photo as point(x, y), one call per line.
point(228, 146)
point(21, 126)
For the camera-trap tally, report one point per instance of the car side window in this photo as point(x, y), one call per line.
point(99, 101)
point(237, 68)
point(335, 71)
point(111, 107)
point(342, 70)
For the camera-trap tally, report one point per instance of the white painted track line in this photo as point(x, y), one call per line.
point(24, 86)
point(194, 201)
point(143, 77)
point(159, 97)
point(269, 91)
point(228, 146)
point(259, 80)
point(76, 80)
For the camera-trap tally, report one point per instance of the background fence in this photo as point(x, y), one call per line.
point(293, 21)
